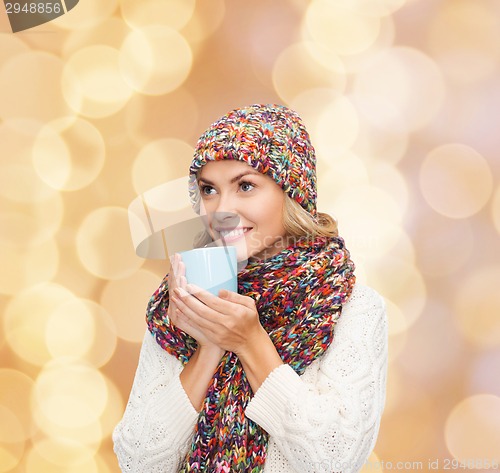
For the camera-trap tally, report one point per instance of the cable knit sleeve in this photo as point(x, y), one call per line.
point(327, 420)
point(158, 423)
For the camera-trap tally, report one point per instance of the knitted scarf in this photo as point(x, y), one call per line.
point(299, 295)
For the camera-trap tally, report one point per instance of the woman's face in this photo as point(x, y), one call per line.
point(243, 207)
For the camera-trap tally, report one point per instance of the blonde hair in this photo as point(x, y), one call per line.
point(299, 222)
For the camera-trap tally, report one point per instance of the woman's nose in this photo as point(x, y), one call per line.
point(226, 219)
point(225, 213)
point(225, 204)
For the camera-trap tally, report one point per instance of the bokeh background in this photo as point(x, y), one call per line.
point(402, 100)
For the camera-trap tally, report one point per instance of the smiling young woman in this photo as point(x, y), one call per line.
point(286, 375)
point(241, 206)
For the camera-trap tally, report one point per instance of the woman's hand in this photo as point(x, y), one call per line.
point(176, 278)
point(230, 321)
point(198, 371)
point(177, 281)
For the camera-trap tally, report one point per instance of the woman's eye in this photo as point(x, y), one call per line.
point(206, 190)
point(246, 186)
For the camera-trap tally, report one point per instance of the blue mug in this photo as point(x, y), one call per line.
point(212, 268)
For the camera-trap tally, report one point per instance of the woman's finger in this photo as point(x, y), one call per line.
point(172, 261)
point(172, 284)
point(176, 268)
point(183, 282)
point(196, 311)
point(231, 296)
point(171, 274)
point(202, 295)
point(182, 275)
point(182, 267)
point(224, 304)
point(172, 311)
point(208, 299)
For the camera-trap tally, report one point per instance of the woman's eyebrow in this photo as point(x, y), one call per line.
point(233, 180)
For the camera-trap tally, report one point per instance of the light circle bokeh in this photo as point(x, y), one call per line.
point(476, 314)
point(155, 60)
point(171, 13)
point(472, 431)
point(103, 245)
point(381, 145)
point(92, 82)
point(370, 202)
point(341, 30)
point(495, 210)
point(26, 317)
point(437, 257)
point(337, 127)
point(90, 434)
point(399, 280)
point(32, 95)
point(465, 39)
point(456, 180)
point(103, 344)
point(25, 267)
point(373, 7)
point(23, 225)
point(206, 20)
point(296, 71)
point(480, 379)
point(433, 366)
point(19, 181)
point(129, 311)
point(16, 400)
point(70, 393)
point(347, 171)
point(390, 88)
point(396, 321)
point(11, 46)
point(355, 63)
point(114, 409)
point(68, 154)
point(64, 452)
point(159, 161)
point(391, 180)
point(36, 461)
point(86, 14)
point(11, 450)
point(110, 32)
point(70, 330)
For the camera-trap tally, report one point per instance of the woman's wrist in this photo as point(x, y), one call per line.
point(210, 351)
point(259, 358)
point(198, 372)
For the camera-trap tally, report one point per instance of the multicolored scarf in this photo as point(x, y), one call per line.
point(299, 295)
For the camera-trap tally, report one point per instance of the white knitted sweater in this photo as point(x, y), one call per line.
point(326, 420)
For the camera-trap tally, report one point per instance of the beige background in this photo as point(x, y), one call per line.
point(402, 102)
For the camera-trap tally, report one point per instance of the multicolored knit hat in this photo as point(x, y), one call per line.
point(270, 138)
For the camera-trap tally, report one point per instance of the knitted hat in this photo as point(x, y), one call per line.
point(270, 138)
